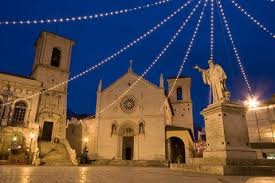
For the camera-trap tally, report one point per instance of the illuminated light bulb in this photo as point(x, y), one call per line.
point(32, 135)
point(85, 139)
point(252, 102)
point(14, 138)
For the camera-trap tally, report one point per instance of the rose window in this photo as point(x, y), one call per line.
point(128, 104)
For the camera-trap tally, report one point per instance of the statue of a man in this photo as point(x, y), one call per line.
point(215, 77)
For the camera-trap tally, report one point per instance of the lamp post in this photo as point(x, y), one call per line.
point(30, 149)
point(85, 153)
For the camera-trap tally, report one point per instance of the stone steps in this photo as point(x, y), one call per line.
point(53, 154)
point(138, 163)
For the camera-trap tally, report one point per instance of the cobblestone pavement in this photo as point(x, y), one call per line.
point(102, 174)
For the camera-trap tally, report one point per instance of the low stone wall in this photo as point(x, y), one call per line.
point(220, 166)
point(70, 151)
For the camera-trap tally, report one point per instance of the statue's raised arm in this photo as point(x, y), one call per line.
point(216, 78)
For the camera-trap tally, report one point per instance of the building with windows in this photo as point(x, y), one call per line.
point(27, 118)
point(261, 128)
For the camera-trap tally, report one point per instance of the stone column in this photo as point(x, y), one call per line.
point(226, 132)
point(169, 153)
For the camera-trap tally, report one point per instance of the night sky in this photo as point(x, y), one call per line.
point(97, 39)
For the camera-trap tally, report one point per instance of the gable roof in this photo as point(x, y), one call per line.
point(130, 73)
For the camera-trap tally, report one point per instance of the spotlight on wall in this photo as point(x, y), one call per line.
point(85, 139)
point(14, 138)
point(252, 102)
point(32, 135)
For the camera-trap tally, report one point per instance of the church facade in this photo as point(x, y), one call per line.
point(141, 124)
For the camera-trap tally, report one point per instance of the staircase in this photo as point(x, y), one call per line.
point(54, 154)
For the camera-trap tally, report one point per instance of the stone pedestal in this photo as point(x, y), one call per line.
point(227, 151)
point(226, 132)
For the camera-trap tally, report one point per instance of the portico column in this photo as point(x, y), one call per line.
point(169, 151)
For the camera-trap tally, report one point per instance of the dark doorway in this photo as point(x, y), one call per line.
point(128, 148)
point(176, 150)
point(47, 131)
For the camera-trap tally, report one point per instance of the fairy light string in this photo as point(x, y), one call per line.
point(164, 50)
point(85, 17)
point(120, 51)
point(212, 30)
point(252, 18)
point(211, 44)
point(188, 50)
point(221, 10)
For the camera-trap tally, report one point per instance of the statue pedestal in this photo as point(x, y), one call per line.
point(227, 151)
point(226, 132)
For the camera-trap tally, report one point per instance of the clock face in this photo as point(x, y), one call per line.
point(128, 104)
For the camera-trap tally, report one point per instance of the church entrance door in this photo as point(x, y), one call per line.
point(128, 148)
point(47, 131)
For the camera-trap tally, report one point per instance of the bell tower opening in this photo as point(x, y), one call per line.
point(181, 102)
point(56, 54)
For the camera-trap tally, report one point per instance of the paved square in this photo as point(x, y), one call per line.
point(108, 174)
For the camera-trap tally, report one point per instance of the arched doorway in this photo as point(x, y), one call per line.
point(175, 150)
point(128, 144)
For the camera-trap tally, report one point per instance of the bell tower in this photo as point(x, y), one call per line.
point(181, 102)
point(51, 67)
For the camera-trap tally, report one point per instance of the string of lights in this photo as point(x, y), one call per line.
point(120, 51)
point(253, 19)
point(221, 10)
point(188, 50)
point(211, 44)
point(83, 18)
point(163, 51)
point(212, 30)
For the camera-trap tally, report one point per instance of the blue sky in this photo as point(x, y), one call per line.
point(97, 39)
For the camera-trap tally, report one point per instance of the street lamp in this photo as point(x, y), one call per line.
point(31, 136)
point(85, 153)
point(252, 103)
point(14, 138)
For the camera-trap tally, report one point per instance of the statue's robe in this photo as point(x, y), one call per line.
point(215, 77)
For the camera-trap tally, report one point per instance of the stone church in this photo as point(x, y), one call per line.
point(141, 125)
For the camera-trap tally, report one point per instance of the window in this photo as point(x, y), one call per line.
point(179, 93)
point(56, 54)
point(19, 113)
